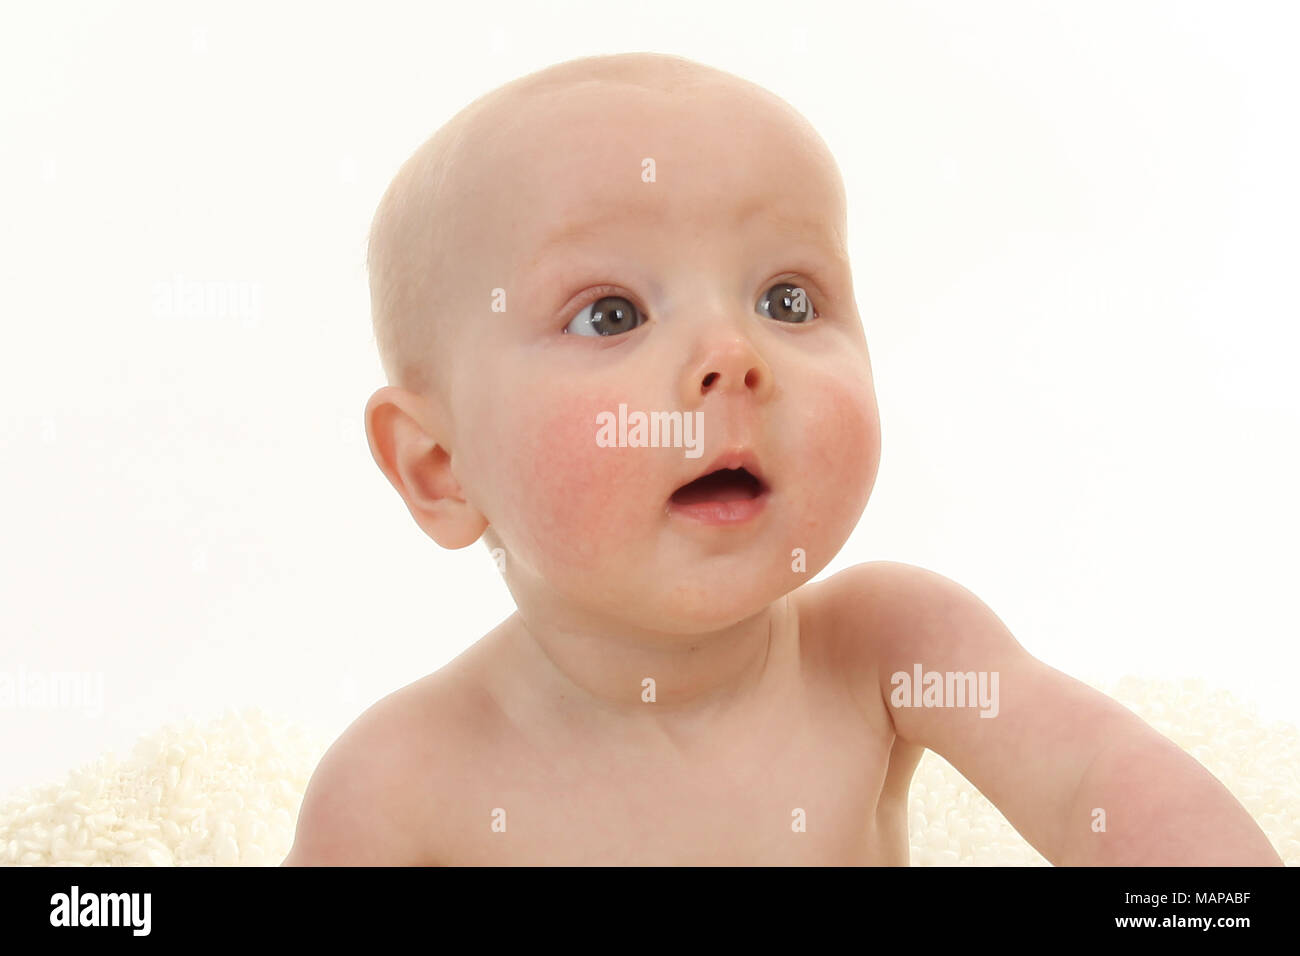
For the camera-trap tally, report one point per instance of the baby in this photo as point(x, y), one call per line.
point(671, 690)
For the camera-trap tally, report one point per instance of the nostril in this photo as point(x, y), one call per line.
point(752, 379)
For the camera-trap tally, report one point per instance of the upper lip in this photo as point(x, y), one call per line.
point(732, 458)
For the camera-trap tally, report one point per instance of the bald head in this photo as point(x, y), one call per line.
point(431, 214)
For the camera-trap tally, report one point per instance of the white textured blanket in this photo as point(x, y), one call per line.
point(227, 792)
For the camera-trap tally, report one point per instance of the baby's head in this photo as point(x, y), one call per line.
point(613, 237)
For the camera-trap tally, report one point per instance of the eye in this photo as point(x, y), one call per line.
point(608, 315)
point(787, 303)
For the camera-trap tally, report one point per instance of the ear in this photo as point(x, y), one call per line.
point(402, 429)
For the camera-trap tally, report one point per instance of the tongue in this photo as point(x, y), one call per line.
point(723, 485)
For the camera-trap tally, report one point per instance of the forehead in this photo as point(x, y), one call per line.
point(558, 165)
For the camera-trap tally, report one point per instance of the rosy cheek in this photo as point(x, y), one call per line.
point(837, 440)
point(579, 501)
point(853, 435)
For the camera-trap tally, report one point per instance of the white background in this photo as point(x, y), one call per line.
point(1073, 228)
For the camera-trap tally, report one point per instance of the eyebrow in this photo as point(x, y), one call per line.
point(820, 234)
point(573, 232)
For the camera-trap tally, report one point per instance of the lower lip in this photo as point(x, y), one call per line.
point(722, 513)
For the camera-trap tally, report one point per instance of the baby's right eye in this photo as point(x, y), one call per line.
point(609, 315)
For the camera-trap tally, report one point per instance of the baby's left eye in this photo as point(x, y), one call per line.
point(787, 303)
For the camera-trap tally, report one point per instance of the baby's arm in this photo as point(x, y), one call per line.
point(1057, 751)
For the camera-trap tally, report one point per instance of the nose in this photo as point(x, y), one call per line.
point(729, 364)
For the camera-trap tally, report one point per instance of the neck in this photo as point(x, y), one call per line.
point(611, 668)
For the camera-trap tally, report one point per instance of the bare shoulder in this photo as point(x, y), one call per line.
point(885, 612)
point(888, 619)
point(954, 679)
point(374, 798)
point(870, 595)
point(856, 619)
point(860, 615)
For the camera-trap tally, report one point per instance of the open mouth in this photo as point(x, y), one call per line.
point(724, 484)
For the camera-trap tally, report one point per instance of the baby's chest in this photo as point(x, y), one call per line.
point(810, 797)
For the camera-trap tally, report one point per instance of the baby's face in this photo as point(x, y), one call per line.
point(560, 215)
